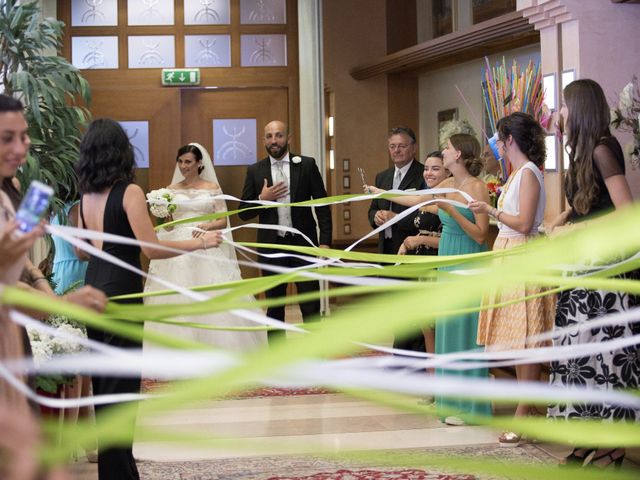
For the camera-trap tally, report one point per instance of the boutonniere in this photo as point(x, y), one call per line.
point(296, 159)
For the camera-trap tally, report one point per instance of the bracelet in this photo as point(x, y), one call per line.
point(498, 215)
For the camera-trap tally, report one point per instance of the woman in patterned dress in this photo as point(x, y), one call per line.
point(520, 212)
point(595, 185)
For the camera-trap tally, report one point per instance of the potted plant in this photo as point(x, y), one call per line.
point(52, 90)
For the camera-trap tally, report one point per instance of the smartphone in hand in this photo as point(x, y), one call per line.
point(33, 207)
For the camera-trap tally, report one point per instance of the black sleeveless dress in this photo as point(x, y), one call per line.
point(115, 463)
point(427, 223)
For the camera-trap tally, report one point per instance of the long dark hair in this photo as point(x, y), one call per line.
point(469, 149)
point(196, 153)
point(527, 133)
point(587, 123)
point(106, 156)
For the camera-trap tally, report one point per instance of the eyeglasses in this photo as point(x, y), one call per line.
point(399, 146)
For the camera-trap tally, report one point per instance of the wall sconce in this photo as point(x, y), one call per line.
point(330, 126)
point(332, 159)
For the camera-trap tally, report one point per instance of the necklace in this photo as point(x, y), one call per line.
point(463, 182)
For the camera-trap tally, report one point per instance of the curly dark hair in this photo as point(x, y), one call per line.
point(106, 156)
point(587, 123)
point(469, 149)
point(527, 133)
point(435, 154)
point(196, 153)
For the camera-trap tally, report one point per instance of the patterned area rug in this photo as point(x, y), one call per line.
point(314, 468)
point(148, 386)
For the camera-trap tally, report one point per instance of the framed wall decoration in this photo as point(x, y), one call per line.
point(138, 133)
point(158, 12)
point(207, 12)
point(345, 164)
point(207, 51)
point(346, 229)
point(551, 161)
point(261, 12)
point(346, 181)
point(346, 214)
point(445, 116)
point(549, 86)
point(263, 50)
point(94, 14)
point(152, 51)
point(94, 52)
point(234, 141)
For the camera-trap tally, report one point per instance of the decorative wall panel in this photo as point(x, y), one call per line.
point(207, 50)
point(152, 51)
point(94, 52)
point(94, 13)
point(206, 12)
point(234, 141)
point(263, 11)
point(263, 50)
point(150, 12)
point(138, 133)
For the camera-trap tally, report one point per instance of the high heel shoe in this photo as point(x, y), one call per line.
point(577, 457)
point(607, 458)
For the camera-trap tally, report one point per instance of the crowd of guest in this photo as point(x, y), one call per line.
point(451, 224)
point(595, 185)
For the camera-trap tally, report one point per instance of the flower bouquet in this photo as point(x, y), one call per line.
point(625, 116)
point(44, 347)
point(161, 202)
point(495, 189)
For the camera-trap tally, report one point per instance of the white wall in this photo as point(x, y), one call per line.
point(438, 92)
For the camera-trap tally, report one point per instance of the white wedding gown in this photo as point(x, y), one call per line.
point(189, 271)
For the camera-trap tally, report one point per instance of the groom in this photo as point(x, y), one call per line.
point(286, 178)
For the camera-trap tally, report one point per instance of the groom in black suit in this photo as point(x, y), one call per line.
point(286, 178)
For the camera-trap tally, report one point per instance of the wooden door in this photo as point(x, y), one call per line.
point(201, 106)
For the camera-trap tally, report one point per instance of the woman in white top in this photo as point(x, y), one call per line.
point(519, 214)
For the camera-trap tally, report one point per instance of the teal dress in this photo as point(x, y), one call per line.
point(459, 333)
point(67, 270)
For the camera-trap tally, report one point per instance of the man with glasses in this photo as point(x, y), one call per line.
point(406, 174)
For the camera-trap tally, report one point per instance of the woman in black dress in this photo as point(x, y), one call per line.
point(594, 185)
point(427, 223)
point(112, 203)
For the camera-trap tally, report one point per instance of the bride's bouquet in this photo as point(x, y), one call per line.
point(161, 202)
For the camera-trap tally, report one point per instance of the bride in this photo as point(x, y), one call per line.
point(194, 186)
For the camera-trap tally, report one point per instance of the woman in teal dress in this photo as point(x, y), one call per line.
point(462, 232)
point(67, 270)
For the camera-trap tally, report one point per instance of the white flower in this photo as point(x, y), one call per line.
point(160, 202)
point(41, 352)
point(625, 100)
point(453, 127)
point(296, 159)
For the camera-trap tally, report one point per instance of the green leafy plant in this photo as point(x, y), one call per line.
point(53, 91)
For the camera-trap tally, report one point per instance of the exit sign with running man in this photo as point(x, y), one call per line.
point(180, 76)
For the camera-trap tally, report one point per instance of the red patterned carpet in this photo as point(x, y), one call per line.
point(292, 467)
point(378, 475)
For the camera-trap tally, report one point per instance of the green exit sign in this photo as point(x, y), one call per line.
point(180, 76)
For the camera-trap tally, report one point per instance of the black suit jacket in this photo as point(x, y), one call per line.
point(305, 184)
point(405, 227)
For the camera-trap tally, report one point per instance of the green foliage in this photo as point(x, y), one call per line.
point(51, 89)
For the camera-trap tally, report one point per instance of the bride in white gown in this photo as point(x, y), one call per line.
point(194, 187)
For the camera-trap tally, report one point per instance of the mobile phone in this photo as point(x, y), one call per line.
point(33, 206)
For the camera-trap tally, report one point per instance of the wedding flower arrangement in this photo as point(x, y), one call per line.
point(453, 127)
point(161, 202)
point(625, 116)
point(495, 189)
point(45, 346)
